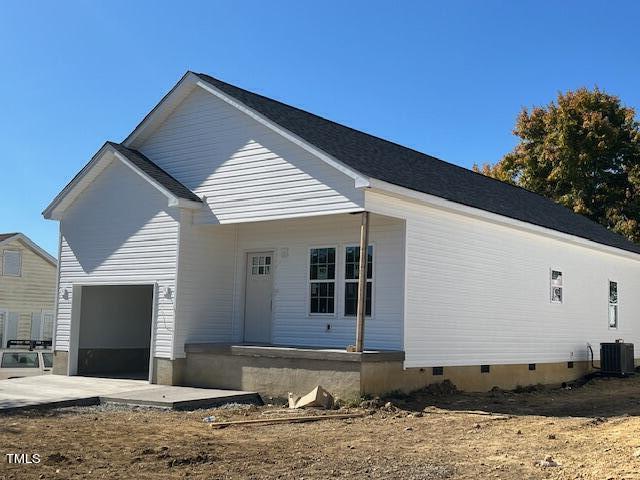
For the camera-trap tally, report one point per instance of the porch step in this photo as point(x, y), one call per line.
point(181, 398)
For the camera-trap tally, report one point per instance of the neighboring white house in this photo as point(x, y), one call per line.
point(27, 290)
point(228, 218)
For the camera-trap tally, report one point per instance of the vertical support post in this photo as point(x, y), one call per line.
point(362, 281)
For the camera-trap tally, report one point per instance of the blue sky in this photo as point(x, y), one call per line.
point(447, 78)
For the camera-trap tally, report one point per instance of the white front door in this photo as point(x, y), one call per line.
point(258, 297)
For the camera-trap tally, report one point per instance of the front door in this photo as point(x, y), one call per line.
point(258, 293)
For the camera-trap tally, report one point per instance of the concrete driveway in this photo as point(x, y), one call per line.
point(60, 390)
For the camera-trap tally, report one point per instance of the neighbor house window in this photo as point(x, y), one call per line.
point(613, 304)
point(556, 286)
point(11, 263)
point(351, 270)
point(322, 280)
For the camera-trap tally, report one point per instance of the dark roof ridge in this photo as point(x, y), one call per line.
point(6, 236)
point(391, 162)
point(382, 139)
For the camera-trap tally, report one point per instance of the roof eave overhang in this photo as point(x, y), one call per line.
point(104, 157)
point(440, 203)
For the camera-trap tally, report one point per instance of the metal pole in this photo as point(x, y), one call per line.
point(362, 281)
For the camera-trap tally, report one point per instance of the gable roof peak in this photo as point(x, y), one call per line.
point(381, 159)
point(6, 238)
point(177, 193)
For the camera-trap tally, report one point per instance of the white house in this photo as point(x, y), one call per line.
point(218, 245)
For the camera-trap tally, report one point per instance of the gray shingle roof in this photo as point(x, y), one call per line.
point(5, 236)
point(393, 163)
point(155, 172)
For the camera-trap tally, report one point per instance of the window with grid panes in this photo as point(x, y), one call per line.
point(322, 280)
point(351, 272)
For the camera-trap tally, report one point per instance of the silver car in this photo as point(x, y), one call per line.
point(24, 363)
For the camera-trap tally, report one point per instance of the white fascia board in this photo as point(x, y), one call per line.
point(52, 212)
point(291, 215)
point(164, 107)
point(449, 206)
point(360, 180)
point(32, 245)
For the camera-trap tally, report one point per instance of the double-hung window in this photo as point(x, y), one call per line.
point(322, 281)
point(613, 304)
point(556, 286)
point(351, 271)
point(12, 263)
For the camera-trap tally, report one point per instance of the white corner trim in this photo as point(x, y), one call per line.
point(439, 203)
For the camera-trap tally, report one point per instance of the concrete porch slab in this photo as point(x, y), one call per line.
point(181, 398)
point(59, 391)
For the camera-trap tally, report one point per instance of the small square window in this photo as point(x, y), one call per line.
point(485, 368)
point(437, 371)
point(532, 366)
point(261, 265)
point(569, 364)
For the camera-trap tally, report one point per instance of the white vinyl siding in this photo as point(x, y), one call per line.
point(119, 231)
point(292, 323)
point(205, 287)
point(211, 288)
point(245, 170)
point(478, 293)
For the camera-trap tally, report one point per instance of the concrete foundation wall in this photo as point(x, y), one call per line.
point(60, 363)
point(272, 377)
point(380, 378)
point(276, 374)
point(168, 372)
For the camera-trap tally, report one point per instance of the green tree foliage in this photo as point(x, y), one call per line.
point(582, 151)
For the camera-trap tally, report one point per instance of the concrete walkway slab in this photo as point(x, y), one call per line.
point(60, 390)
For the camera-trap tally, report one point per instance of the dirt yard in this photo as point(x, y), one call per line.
point(590, 432)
